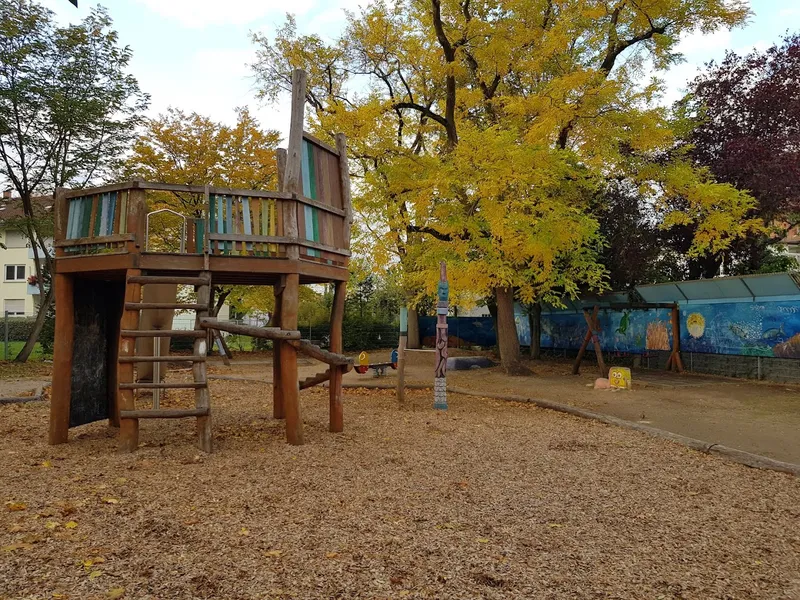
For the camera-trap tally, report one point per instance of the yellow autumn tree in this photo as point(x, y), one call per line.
point(192, 149)
point(482, 134)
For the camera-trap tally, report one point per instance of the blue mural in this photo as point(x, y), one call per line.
point(472, 331)
point(745, 328)
point(632, 331)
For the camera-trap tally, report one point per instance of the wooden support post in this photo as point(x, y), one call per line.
point(137, 219)
point(576, 367)
point(202, 397)
point(277, 392)
point(344, 176)
point(290, 386)
point(401, 357)
point(62, 360)
point(292, 180)
point(337, 346)
point(675, 362)
point(128, 428)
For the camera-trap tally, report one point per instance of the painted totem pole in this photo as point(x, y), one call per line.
point(440, 375)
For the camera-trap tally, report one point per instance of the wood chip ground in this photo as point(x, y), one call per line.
point(487, 500)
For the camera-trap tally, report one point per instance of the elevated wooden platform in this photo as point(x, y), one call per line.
point(114, 241)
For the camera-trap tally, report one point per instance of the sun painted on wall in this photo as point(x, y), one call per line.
point(696, 325)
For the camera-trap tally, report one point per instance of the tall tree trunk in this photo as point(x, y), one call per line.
point(413, 329)
point(535, 322)
point(507, 339)
point(30, 343)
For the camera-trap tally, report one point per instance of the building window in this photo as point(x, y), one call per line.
point(15, 272)
point(15, 308)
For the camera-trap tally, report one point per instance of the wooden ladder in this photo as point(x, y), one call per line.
point(130, 332)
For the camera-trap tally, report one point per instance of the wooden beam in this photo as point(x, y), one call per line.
point(336, 416)
point(60, 395)
point(290, 389)
point(320, 143)
point(270, 333)
point(576, 366)
point(199, 371)
point(277, 392)
point(137, 217)
point(137, 333)
point(173, 279)
point(154, 359)
point(164, 413)
point(321, 205)
point(344, 177)
point(321, 355)
point(160, 305)
point(292, 182)
point(594, 328)
point(129, 427)
point(315, 379)
point(189, 385)
point(105, 239)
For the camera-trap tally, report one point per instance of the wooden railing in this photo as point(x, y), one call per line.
point(114, 219)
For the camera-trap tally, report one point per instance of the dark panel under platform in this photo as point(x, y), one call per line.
point(98, 308)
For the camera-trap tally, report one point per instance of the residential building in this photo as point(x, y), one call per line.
point(18, 294)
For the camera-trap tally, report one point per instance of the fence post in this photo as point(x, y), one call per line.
point(5, 322)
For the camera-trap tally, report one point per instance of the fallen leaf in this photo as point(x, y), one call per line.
point(16, 506)
point(110, 500)
point(273, 553)
point(115, 593)
point(121, 480)
point(95, 574)
point(70, 524)
point(553, 525)
point(52, 524)
point(47, 464)
point(331, 555)
point(483, 540)
point(244, 531)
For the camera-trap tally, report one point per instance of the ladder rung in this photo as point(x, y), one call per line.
point(162, 386)
point(146, 359)
point(164, 413)
point(136, 333)
point(145, 279)
point(157, 305)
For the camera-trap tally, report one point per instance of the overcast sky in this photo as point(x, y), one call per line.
point(193, 54)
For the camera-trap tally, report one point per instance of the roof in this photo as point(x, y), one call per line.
point(12, 208)
point(769, 287)
point(753, 288)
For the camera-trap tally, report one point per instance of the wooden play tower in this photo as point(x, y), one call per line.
point(105, 256)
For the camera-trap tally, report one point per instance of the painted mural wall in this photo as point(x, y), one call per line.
point(746, 328)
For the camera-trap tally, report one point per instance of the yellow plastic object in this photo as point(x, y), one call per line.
point(620, 378)
point(363, 359)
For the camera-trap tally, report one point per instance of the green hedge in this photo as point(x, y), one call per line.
point(19, 328)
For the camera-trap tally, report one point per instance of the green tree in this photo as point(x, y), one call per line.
point(192, 149)
point(68, 110)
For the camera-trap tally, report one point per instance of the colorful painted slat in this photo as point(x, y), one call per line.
point(71, 219)
point(86, 215)
point(248, 230)
point(228, 221)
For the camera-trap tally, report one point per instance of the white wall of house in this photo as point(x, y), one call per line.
point(16, 262)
